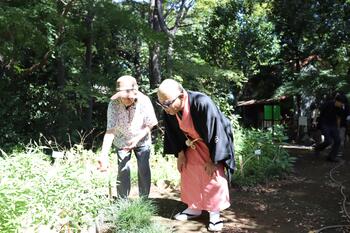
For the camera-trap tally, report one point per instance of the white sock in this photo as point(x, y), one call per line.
point(192, 211)
point(214, 216)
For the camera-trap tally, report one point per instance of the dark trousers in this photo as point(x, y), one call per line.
point(331, 134)
point(144, 172)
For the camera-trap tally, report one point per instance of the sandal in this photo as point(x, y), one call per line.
point(185, 216)
point(216, 226)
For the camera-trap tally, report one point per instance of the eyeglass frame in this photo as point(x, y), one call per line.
point(166, 106)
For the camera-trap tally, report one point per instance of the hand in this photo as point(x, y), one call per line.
point(181, 162)
point(103, 163)
point(210, 168)
point(131, 144)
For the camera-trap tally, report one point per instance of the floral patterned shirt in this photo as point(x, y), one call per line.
point(128, 121)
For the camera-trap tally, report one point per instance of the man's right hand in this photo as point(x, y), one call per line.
point(103, 163)
point(181, 161)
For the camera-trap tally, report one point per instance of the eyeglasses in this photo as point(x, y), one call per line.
point(127, 90)
point(167, 104)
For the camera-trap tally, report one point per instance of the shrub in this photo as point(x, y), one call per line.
point(259, 157)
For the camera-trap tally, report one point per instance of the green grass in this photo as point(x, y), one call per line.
point(70, 193)
point(134, 215)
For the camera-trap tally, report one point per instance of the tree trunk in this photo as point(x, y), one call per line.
point(170, 54)
point(88, 65)
point(61, 73)
point(154, 49)
point(154, 66)
point(63, 113)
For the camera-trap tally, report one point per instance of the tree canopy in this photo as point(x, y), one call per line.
point(59, 59)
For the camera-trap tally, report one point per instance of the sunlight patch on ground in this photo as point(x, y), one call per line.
point(239, 222)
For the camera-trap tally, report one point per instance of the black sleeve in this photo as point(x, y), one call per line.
point(174, 139)
point(214, 128)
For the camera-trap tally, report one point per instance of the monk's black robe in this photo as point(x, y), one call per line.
point(212, 126)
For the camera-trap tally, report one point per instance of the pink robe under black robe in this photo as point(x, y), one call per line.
point(198, 190)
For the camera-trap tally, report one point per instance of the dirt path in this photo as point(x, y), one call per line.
point(304, 202)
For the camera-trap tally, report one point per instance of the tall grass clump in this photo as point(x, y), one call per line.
point(134, 216)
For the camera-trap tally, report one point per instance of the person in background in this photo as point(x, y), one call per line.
point(200, 136)
point(330, 114)
point(315, 129)
point(343, 124)
point(130, 118)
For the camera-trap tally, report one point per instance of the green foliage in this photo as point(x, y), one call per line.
point(70, 193)
point(196, 69)
point(259, 157)
point(163, 168)
point(64, 95)
point(273, 42)
point(58, 62)
point(135, 216)
point(313, 41)
point(314, 81)
point(243, 37)
point(66, 193)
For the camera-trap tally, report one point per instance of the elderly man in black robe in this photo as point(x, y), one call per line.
point(200, 136)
